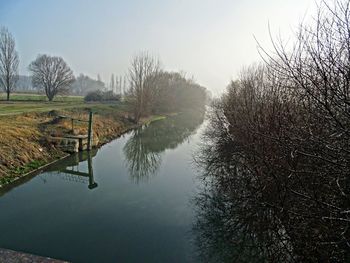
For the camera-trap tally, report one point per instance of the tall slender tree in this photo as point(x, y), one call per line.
point(112, 84)
point(123, 89)
point(120, 84)
point(8, 62)
point(143, 72)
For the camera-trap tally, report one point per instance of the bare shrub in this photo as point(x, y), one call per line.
point(280, 138)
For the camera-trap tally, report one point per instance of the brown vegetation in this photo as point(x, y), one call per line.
point(23, 138)
point(278, 152)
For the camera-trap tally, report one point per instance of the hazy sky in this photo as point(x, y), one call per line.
point(209, 39)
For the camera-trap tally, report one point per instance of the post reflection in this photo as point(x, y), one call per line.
point(70, 169)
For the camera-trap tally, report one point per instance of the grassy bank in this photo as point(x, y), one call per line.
point(24, 103)
point(23, 136)
point(15, 97)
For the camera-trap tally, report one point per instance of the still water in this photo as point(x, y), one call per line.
point(130, 201)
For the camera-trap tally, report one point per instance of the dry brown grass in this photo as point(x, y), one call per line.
point(23, 137)
point(20, 142)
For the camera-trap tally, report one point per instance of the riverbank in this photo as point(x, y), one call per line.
point(7, 255)
point(24, 143)
point(145, 177)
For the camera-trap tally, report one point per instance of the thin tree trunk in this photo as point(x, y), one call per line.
point(8, 85)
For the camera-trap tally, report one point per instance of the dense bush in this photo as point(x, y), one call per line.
point(84, 84)
point(153, 90)
point(102, 96)
point(278, 149)
point(174, 92)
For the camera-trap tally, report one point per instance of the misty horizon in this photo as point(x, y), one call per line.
point(207, 40)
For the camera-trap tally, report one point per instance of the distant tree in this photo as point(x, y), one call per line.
point(117, 84)
point(8, 62)
point(101, 95)
point(173, 92)
point(124, 87)
point(84, 85)
point(112, 84)
point(99, 78)
point(51, 74)
point(143, 73)
point(24, 83)
point(121, 83)
point(80, 84)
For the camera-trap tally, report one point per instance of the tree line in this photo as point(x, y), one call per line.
point(153, 90)
point(278, 142)
point(148, 87)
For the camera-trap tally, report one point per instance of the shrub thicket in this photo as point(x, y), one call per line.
point(279, 143)
point(102, 96)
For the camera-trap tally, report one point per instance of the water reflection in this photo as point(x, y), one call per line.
point(238, 223)
point(248, 214)
point(69, 169)
point(117, 214)
point(239, 230)
point(143, 150)
point(141, 160)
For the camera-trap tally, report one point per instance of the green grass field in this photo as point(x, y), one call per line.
point(39, 97)
point(21, 103)
point(25, 103)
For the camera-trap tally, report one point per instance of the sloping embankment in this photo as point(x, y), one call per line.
point(24, 146)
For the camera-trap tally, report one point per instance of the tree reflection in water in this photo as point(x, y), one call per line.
point(143, 150)
point(237, 228)
point(142, 161)
point(247, 213)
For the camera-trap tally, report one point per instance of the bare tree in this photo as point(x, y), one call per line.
point(120, 84)
point(279, 138)
point(112, 84)
point(142, 75)
point(99, 78)
point(52, 74)
point(8, 62)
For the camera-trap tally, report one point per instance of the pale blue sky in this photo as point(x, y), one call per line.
point(209, 39)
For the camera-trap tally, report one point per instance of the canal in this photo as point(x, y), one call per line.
point(129, 201)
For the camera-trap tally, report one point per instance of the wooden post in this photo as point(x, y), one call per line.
point(89, 146)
